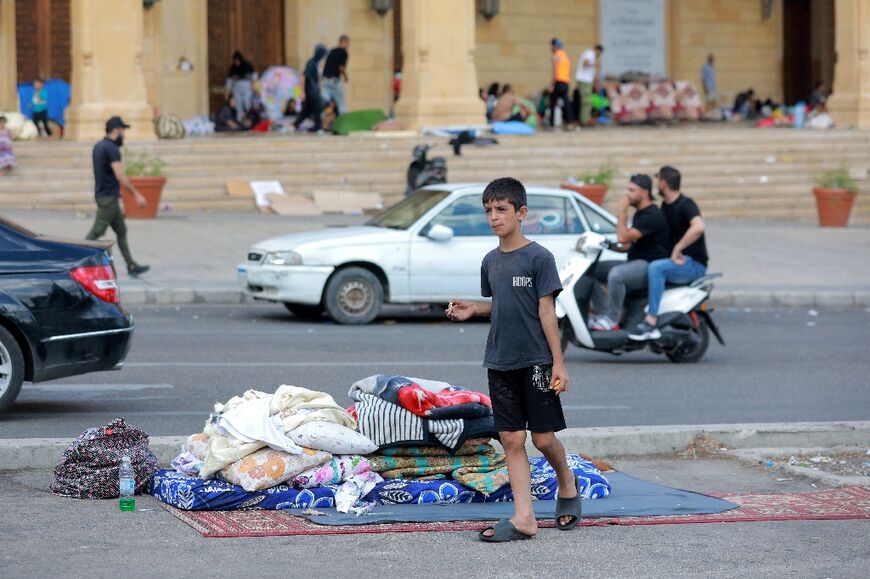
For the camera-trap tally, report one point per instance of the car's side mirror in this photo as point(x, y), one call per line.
point(440, 232)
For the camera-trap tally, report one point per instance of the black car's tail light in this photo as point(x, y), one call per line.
point(98, 280)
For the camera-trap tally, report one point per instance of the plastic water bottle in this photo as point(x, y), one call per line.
point(127, 477)
point(800, 114)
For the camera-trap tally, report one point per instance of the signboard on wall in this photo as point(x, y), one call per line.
point(633, 36)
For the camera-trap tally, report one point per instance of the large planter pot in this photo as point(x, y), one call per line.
point(151, 189)
point(594, 193)
point(834, 206)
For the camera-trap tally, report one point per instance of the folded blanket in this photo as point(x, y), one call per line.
point(484, 470)
point(424, 398)
point(388, 424)
point(422, 402)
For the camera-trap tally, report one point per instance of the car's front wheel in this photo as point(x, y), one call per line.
point(11, 369)
point(354, 295)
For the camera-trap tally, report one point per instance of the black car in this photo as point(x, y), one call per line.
point(60, 310)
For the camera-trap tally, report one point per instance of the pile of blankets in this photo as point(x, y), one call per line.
point(298, 448)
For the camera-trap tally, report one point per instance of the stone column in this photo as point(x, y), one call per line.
point(850, 101)
point(107, 69)
point(8, 57)
point(439, 77)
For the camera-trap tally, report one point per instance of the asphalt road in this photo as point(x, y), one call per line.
point(778, 366)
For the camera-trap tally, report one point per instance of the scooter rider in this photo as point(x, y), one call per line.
point(646, 241)
point(688, 259)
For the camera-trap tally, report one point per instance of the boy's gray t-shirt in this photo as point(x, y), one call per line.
point(517, 280)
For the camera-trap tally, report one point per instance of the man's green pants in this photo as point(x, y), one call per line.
point(585, 89)
point(110, 214)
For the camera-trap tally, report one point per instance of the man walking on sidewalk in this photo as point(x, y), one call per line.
point(109, 176)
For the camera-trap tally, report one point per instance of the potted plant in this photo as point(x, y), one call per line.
point(835, 193)
point(145, 172)
point(594, 184)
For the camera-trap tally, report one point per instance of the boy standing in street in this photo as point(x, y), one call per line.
point(524, 358)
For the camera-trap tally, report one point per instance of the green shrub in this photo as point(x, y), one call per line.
point(141, 163)
point(601, 176)
point(837, 178)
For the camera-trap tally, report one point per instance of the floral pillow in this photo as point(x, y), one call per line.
point(267, 468)
point(197, 445)
point(332, 438)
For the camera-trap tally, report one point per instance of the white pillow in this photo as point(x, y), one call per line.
point(332, 438)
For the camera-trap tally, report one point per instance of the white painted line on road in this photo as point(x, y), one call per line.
point(572, 407)
point(71, 413)
point(93, 387)
point(300, 364)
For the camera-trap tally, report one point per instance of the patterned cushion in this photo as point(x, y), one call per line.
point(332, 438)
point(266, 468)
point(197, 445)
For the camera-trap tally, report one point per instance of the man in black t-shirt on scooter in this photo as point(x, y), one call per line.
point(646, 241)
point(688, 255)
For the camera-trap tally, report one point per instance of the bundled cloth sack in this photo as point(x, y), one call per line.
point(89, 467)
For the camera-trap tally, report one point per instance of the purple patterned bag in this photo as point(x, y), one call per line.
point(88, 468)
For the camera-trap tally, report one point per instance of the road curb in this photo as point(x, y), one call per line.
point(43, 453)
point(219, 295)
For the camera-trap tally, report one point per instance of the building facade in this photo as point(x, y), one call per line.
point(123, 56)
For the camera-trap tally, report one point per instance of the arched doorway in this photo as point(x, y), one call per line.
point(254, 28)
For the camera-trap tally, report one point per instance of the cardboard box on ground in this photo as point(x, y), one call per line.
point(270, 197)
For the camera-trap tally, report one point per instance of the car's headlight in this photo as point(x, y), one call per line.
point(283, 258)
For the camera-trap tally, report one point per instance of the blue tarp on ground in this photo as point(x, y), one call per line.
point(630, 497)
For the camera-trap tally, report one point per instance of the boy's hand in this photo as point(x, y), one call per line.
point(559, 381)
point(459, 310)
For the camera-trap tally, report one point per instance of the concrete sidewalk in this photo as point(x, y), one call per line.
point(39, 453)
point(193, 256)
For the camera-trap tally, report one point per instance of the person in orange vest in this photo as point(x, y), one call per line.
point(559, 88)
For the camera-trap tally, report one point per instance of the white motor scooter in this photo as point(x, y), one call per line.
point(684, 316)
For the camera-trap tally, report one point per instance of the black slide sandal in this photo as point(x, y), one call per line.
point(569, 508)
point(505, 531)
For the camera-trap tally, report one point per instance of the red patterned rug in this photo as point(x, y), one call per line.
point(843, 503)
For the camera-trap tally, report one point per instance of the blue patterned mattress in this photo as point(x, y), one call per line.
point(195, 494)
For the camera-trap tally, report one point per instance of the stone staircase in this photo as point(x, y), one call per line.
point(733, 172)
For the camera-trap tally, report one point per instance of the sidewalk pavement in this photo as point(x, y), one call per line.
point(39, 453)
point(193, 256)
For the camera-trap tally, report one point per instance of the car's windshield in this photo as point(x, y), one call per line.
point(404, 213)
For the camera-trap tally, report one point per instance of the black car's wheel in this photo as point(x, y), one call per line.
point(354, 296)
point(11, 369)
point(304, 310)
point(694, 348)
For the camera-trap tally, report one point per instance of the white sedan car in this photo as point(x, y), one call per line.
point(426, 249)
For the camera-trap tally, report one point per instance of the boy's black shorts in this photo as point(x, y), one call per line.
point(523, 400)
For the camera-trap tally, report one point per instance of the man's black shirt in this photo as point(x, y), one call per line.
point(654, 244)
point(105, 153)
point(679, 215)
point(337, 58)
